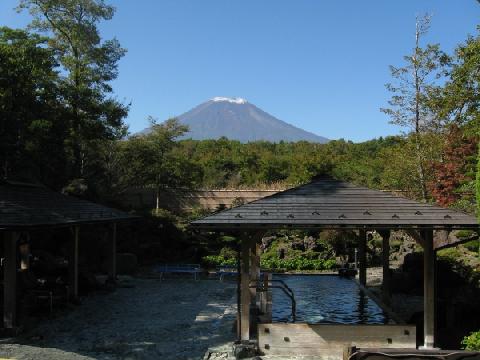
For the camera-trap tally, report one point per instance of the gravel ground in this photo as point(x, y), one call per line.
point(171, 319)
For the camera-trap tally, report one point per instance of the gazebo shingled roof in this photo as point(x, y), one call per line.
point(24, 206)
point(330, 203)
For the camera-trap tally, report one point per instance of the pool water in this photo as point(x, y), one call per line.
point(325, 299)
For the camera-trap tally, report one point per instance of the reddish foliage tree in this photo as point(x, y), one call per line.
point(456, 168)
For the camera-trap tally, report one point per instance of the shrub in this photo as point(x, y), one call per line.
point(472, 342)
point(197, 213)
point(297, 263)
point(473, 245)
point(395, 244)
point(228, 253)
point(227, 239)
point(453, 258)
point(461, 234)
point(450, 255)
point(218, 260)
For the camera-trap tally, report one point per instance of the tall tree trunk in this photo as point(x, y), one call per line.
point(418, 147)
point(421, 169)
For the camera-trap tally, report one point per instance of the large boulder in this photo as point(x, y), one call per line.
point(266, 242)
point(297, 244)
point(310, 243)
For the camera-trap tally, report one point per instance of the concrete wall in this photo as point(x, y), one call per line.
point(184, 200)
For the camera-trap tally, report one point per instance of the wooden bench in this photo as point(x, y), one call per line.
point(178, 269)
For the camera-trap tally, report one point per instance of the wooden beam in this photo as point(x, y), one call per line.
point(327, 341)
point(245, 289)
point(112, 266)
point(362, 257)
point(10, 281)
point(73, 263)
point(429, 290)
point(386, 292)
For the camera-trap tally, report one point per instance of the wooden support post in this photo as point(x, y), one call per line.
point(245, 290)
point(268, 305)
point(25, 251)
point(254, 271)
point(73, 264)
point(428, 290)
point(112, 266)
point(362, 257)
point(386, 292)
point(239, 292)
point(263, 297)
point(10, 281)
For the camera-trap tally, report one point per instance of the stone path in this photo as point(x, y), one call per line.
point(170, 319)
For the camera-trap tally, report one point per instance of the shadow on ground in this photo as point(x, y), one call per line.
point(171, 319)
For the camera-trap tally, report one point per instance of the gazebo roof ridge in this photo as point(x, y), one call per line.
point(328, 202)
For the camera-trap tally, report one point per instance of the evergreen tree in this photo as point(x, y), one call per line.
point(32, 130)
point(90, 64)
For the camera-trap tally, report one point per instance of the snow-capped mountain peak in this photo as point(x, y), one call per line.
point(238, 119)
point(235, 100)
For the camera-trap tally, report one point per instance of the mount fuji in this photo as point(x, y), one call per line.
point(237, 119)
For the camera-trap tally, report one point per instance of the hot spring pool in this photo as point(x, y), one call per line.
point(325, 299)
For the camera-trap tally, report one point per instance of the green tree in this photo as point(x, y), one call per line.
point(409, 102)
point(459, 100)
point(478, 184)
point(89, 64)
point(31, 127)
point(149, 159)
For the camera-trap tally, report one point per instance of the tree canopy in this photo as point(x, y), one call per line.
point(89, 65)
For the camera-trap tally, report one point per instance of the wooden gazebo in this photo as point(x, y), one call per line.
point(326, 203)
point(27, 207)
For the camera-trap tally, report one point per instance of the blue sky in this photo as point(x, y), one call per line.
point(319, 65)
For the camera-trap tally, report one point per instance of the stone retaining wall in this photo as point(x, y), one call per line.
point(185, 200)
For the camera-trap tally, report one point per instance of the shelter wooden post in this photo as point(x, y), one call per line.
point(73, 263)
point(254, 278)
point(362, 257)
point(25, 252)
point(386, 292)
point(245, 290)
point(10, 281)
point(254, 271)
point(112, 265)
point(428, 290)
point(239, 290)
point(268, 298)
